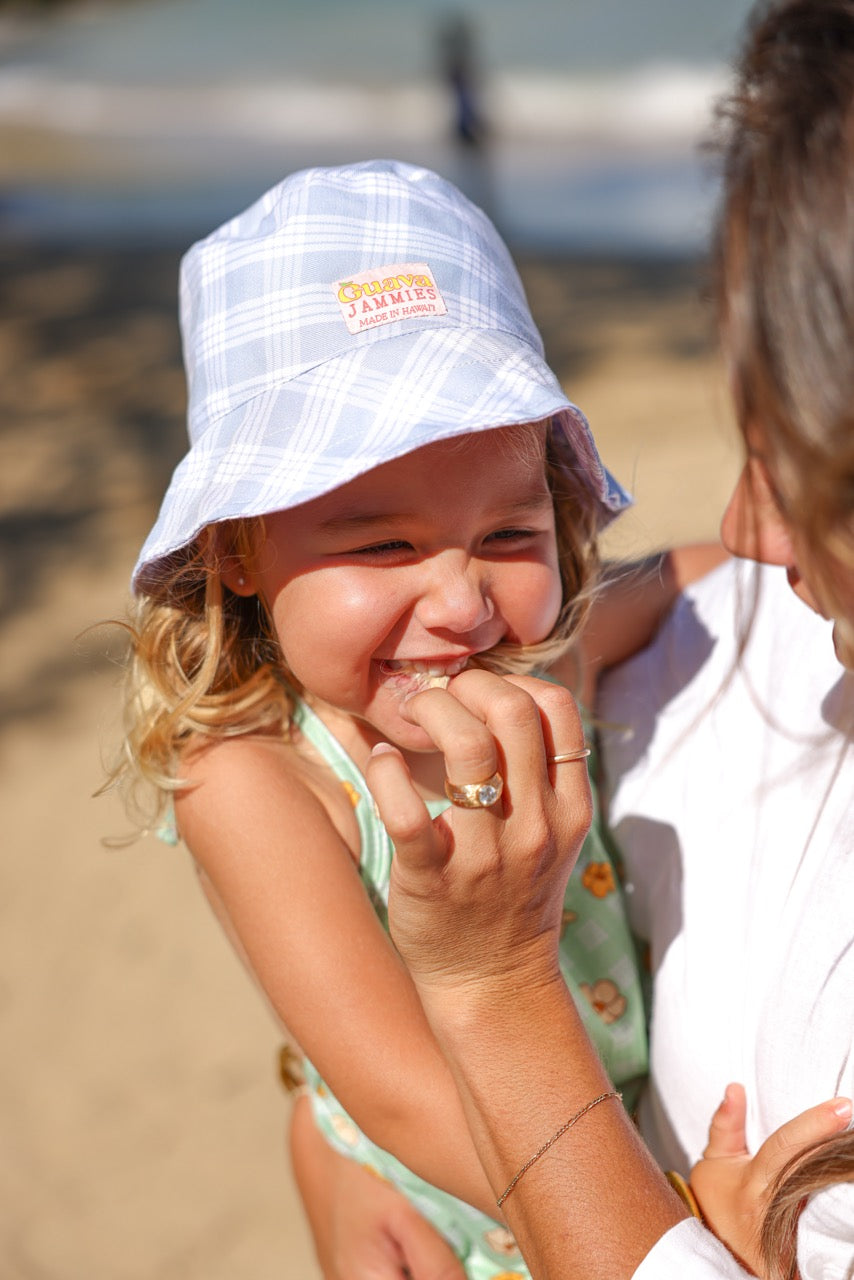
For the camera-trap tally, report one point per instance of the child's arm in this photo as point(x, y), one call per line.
point(286, 886)
point(628, 610)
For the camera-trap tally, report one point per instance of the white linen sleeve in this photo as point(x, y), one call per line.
point(825, 1245)
point(689, 1251)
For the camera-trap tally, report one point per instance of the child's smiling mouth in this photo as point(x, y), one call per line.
point(413, 674)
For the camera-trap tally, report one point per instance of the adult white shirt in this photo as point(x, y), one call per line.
point(733, 802)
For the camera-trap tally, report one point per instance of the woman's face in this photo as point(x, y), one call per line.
point(755, 527)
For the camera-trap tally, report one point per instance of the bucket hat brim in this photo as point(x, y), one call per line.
point(314, 433)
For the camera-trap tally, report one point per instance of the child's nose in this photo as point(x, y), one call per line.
point(456, 598)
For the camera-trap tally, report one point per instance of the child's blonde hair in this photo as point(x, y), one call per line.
point(205, 663)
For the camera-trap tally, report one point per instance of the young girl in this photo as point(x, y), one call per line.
point(386, 491)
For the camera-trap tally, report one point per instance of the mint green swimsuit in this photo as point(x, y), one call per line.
point(598, 961)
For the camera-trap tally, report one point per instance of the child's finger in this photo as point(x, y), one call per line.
point(812, 1125)
point(726, 1131)
point(426, 1254)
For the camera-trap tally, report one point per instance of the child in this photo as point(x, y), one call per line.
point(386, 488)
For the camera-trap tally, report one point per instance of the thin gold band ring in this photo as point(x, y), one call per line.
point(581, 754)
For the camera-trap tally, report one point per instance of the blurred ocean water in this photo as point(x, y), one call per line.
point(181, 111)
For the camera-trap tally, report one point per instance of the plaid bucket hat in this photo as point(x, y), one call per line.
point(348, 317)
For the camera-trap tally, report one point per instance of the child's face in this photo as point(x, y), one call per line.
point(419, 564)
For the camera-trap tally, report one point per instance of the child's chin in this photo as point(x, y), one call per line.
point(412, 738)
point(402, 733)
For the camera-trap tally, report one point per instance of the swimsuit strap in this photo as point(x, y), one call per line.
point(373, 841)
point(375, 847)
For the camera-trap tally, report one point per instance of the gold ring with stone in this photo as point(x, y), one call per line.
point(475, 795)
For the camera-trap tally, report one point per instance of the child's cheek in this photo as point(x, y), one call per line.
point(323, 613)
point(544, 605)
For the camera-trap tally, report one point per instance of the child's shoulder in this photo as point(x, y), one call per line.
point(262, 780)
point(207, 761)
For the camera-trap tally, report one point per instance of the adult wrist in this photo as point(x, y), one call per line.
point(478, 1008)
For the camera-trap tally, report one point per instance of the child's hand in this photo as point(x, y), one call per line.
point(733, 1188)
point(363, 1228)
point(476, 896)
point(377, 1234)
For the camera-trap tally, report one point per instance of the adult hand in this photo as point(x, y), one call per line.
point(477, 895)
point(475, 908)
point(733, 1188)
point(363, 1228)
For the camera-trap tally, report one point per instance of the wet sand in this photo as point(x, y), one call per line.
point(142, 1122)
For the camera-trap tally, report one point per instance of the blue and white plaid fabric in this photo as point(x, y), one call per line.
point(349, 316)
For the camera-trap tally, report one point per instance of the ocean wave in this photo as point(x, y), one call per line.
point(649, 104)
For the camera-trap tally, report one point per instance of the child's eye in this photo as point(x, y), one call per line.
point(383, 548)
point(511, 535)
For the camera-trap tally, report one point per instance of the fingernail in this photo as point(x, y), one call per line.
point(382, 749)
point(842, 1107)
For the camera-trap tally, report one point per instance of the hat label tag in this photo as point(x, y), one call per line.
point(402, 291)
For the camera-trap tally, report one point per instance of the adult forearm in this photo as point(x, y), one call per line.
point(595, 1203)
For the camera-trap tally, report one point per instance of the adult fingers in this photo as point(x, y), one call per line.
point(562, 730)
point(459, 726)
point(533, 720)
point(726, 1131)
point(516, 723)
point(403, 812)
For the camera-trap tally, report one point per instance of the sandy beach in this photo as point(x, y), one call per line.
point(142, 1121)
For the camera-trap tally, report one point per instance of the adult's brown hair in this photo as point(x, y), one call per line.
point(784, 258)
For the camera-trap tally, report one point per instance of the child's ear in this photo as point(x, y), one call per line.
point(232, 570)
point(235, 577)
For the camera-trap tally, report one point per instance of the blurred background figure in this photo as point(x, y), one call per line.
point(142, 1121)
point(460, 71)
